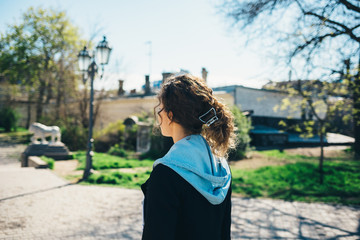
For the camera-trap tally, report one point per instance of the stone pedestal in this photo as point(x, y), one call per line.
point(143, 137)
point(57, 151)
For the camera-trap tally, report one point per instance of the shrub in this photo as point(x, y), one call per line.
point(110, 178)
point(117, 151)
point(116, 133)
point(160, 145)
point(49, 161)
point(103, 143)
point(130, 138)
point(109, 136)
point(243, 125)
point(8, 118)
point(74, 136)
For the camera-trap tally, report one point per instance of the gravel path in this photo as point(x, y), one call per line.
point(37, 204)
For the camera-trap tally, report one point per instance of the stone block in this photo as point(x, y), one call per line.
point(56, 151)
point(36, 162)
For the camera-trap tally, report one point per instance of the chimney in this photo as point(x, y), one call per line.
point(147, 85)
point(166, 75)
point(121, 88)
point(204, 73)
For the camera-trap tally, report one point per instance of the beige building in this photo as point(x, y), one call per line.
point(112, 110)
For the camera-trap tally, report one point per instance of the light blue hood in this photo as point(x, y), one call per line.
point(192, 159)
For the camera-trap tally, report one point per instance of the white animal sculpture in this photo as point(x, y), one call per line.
point(42, 131)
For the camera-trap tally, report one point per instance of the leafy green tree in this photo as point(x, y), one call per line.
point(312, 38)
point(243, 126)
point(40, 54)
point(317, 103)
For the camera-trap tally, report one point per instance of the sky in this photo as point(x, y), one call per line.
point(185, 34)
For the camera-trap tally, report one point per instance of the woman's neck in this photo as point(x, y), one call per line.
point(178, 133)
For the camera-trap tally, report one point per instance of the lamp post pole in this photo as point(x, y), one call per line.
point(88, 66)
point(92, 71)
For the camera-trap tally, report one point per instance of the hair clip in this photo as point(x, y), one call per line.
point(209, 117)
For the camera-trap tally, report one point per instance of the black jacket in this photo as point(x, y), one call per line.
point(173, 209)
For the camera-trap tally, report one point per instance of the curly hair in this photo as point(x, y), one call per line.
point(188, 98)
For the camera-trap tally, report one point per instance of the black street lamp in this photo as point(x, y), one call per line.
point(89, 68)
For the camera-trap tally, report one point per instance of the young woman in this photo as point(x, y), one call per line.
point(188, 194)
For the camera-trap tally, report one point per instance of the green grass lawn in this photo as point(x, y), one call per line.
point(107, 166)
point(18, 129)
point(297, 180)
point(281, 155)
point(106, 161)
point(21, 135)
point(300, 182)
point(127, 180)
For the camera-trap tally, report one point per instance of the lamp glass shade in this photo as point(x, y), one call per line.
point(84, 59)
point(103, 52)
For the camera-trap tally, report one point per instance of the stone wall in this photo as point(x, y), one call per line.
point(111, 110)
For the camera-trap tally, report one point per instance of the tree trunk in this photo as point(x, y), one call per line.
point(357, 125)
point(49, 94)
point(28, 111)
point(321, 170)
point(59, 96)
point(58, 106)
point(59, 87)
point(356, 111)
point(39, 103)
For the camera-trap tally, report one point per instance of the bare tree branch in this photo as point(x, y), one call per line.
point(350, 6)
point(315, 41)
point(347, 30)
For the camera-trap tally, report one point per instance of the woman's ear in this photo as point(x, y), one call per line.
point(170, 115)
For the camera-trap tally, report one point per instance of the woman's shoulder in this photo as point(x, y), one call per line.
point(164, 181)
point(164, 173)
